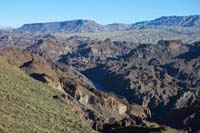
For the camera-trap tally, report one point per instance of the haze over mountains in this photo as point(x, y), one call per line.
point(91, 26)
point(6, 28)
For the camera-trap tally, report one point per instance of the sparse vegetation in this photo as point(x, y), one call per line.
point(150, 35)
point(26, 105)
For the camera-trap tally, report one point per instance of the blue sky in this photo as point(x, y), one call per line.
point(17, 12)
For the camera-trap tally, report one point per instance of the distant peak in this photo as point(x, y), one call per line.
point(82, 25)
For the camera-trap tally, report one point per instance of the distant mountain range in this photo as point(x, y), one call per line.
point(81, 26)
point(181, 21)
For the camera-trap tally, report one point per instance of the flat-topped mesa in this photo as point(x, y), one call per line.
point(65, 26)
point(80, 26)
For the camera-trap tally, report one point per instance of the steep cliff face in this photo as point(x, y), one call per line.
point(108, 104)
point(103, 109)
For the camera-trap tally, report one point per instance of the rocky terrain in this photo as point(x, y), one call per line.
point(114, 85)
point(162, 77)
point(146, 35)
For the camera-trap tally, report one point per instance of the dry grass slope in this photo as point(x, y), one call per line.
point(27, 105)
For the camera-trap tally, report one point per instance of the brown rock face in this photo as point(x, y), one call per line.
point(161, 77)
point(106, 104)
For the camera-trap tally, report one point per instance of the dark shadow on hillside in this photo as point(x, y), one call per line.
point(133, 130)
point(183, 118)
point(194, 52)
point(39, 77)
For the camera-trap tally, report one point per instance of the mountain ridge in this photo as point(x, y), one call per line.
point(183, 21)
point(80, 25)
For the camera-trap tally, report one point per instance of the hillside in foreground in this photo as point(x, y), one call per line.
point(27, 105)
